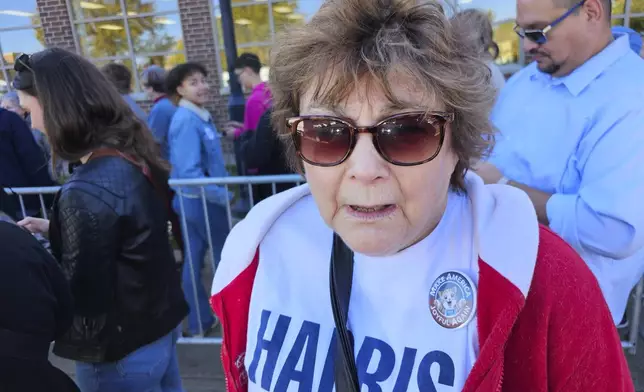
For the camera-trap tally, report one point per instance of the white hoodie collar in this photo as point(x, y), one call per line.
point(198, 110)
point(507, 231)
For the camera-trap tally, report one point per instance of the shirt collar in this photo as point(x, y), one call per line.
point(259, 88)
point(160, 98)
point(199, 111)
point(581, 77)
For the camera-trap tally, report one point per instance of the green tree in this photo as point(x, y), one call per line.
point(39, 32)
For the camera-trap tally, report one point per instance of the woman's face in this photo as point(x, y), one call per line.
point(32, 106)
point(414, 196)
point(195, 89)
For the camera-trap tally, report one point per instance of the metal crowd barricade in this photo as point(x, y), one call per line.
point(634, 319)
point(227, 182)
point(180, 184)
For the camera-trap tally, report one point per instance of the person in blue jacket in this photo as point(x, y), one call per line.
point(160, 116)
point(22, 164)
point(196, 152)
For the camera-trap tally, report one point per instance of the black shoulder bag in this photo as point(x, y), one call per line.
point(341, 277)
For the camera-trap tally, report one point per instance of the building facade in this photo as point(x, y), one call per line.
point(138, 33)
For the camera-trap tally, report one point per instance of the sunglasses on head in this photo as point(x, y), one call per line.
point(23, 63)
point(538, 36)
point(406, 139)
point(24, 73)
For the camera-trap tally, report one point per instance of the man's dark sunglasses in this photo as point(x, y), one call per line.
point(538, 36)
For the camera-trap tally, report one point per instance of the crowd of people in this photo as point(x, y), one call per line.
point(456, 232)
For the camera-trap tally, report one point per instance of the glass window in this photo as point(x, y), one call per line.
point(617, 22)
point(293, 12)
point(89, 9)
point(637, 6)
point(508, 42)
point(637, 24)
point(251, 23)
point(153, 34)
point(127, 62)
point(103, 39)
point(618, 7)
point(21, 33)
point(149, 32)
point(150, 6)
point(256, 24)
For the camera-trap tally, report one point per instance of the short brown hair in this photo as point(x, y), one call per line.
point(119, 75)
point(366, 40)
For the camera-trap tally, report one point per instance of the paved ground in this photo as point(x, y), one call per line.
point(202, 372)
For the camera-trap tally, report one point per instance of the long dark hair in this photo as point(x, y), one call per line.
point(82, 111)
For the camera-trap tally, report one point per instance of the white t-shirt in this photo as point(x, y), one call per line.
point(398, 344)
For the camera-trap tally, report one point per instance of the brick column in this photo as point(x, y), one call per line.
point(199, 43)
point(56, 24)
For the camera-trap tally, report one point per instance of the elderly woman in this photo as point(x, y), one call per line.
point(394, 268)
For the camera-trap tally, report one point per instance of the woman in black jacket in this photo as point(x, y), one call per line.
point(109, 227)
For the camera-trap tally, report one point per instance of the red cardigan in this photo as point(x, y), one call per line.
point(560, 338)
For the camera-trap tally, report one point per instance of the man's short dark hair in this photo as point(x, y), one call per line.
point(249, 60)
point(119, 75)
point(180, 73)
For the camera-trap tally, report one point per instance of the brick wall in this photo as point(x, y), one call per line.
point(56, 24)
point(199, 42)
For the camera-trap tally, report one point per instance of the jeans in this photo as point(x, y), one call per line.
point(151, 368)
point(196, 241)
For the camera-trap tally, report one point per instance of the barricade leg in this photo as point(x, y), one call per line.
point(200, 317)
point(636, 316)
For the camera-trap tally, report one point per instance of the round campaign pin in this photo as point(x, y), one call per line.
point(452, 300)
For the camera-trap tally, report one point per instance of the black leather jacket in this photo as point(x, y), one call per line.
point(109, 231)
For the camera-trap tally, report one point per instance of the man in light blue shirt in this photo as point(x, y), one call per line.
point(572, 137)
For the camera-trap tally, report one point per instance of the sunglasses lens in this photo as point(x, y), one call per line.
point(410, 139)
point(536, 37)
point(322, 141)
